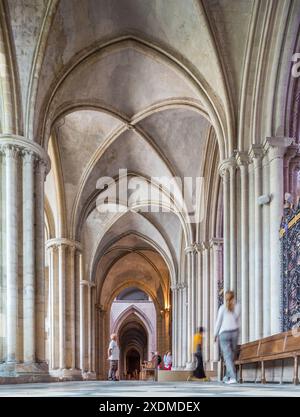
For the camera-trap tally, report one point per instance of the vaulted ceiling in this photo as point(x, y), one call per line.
point(142, 85)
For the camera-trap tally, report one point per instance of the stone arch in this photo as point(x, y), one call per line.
point(44, 125)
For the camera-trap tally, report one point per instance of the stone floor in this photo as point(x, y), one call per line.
point(147, 389)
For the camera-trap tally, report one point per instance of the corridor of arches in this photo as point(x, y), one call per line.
point(137, 139)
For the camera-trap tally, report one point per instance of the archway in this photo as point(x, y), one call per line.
point(133, 363)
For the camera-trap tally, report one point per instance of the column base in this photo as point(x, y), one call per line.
point(68, 374)
point(20, 372)
point(89, 376)
point(178, 368)
point(190, 366)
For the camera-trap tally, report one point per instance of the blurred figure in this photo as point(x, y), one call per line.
point(197, 350)
point(227, 330)
point(113, 357)
point(168, 361)
point(156, 360)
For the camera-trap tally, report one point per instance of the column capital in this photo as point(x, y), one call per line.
point(25, 145)
point(197, 247)
point(226, 165)
point(290, 154)
point(189, 249)
point(28, 156)
point(204, 246)
point(10, 150)
point(63, 242)
point(175, 287)
point(216, 243)
point(242, 158)
point(277, 146)
point(255, 152)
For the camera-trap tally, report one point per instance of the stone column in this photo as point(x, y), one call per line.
point(63, 318)
point(215, 255)
point(83, 290)
point(242, 161)
point(233, 226)
point(40, 260)
point(29, 313)
point(175, 327)
point(191, 326)
point(251, 256)
point(52, 306)
point(90, 307)
point(227, 170)
point(12, 236)
point(183, 296)
point(256, 156)
point(26, 165)
point(266, 249)
point(276, 148)
point(206, 299)
point(72, 307)
point(61, 305)
point(199, 285)
point(224, 172)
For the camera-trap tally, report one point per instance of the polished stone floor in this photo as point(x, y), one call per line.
point(148, 389)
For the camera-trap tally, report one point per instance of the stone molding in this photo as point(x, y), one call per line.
point(226, 165)
point(56, 242)
point(13, 146)
point(277, 146)
point(242, 158)
point(179, 286)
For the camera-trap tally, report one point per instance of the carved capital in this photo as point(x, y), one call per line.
point(277, 146)
point(226, 166)
point(242, 159)
point(10, 151)
point(28, 157)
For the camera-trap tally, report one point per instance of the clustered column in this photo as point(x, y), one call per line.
point(24, 166)
point(64, 283)
point(264, 173)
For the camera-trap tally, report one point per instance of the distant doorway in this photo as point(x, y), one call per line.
point(133, 364)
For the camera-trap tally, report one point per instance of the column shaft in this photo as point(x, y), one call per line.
point(40, 261)
point(242, 162)
point(256, 154)
point(62, 306)
point(12, 234)
point(251, 255)
point(276, 148)
point(28, 258)
point(226, 233)
point(233, 228)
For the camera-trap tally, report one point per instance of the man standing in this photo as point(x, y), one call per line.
point(113, 357)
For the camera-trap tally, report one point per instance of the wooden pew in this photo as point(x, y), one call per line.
point(279, 346)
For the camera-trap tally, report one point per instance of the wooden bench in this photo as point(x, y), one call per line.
point(279, 346)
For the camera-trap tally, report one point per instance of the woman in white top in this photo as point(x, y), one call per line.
point(227, 330)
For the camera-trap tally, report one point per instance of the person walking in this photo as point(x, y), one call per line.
point(197, 349)
point(227, 331)
point(113, 357)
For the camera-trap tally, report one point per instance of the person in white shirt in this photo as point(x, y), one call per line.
point(113, 357)
point(227, 330)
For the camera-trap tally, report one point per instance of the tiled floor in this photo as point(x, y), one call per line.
point(147, 389)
